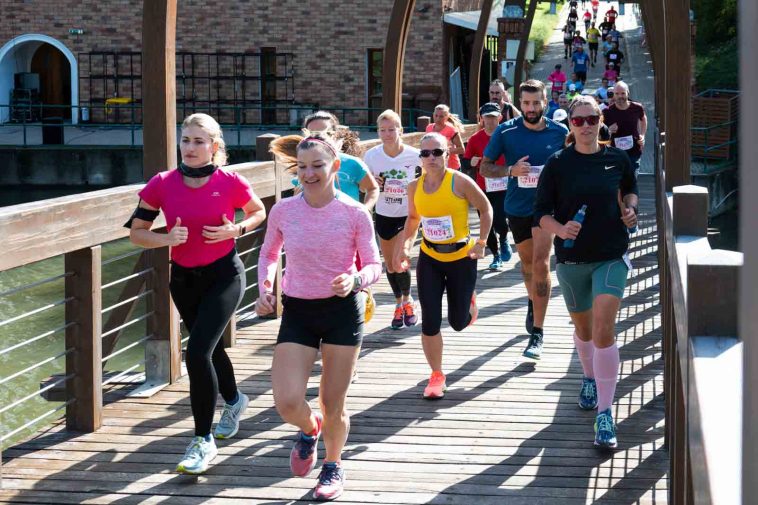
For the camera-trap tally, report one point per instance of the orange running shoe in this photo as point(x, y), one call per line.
point(409, 315)
point(436, 387)
point(397, 318)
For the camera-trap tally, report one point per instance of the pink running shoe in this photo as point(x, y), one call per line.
point(436, 387)
point(304, 454)
point(331, 482)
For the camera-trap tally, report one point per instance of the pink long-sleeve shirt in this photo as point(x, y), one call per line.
point(320, 245)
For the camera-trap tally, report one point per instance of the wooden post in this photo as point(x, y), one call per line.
point(475, 68)
point(262, 143)
point(166, 343)
point(422, 122)
point(690, 210)
point(521, 55)
point(748, 330)
point(394, 54)
point(84, 338)
point(677, 97)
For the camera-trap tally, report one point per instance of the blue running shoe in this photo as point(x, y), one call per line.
point(588, 394)
point(506, 253)
point(605, 430)
point(497, 263)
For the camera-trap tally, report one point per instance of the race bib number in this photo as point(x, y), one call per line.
point(438, 229)
point(627, 261)
point(493, 184)
point(612, 56)
point(624, 143)
point(531, 180)
point(395, 191)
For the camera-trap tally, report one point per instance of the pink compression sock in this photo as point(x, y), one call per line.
point(606, 364)
point(586, 351)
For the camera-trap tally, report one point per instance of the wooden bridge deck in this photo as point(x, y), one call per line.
point(508, 431)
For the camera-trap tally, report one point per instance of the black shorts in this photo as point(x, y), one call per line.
point(388, 227)
point(593, 46)
point(582, 76)
point(521, 227)
point(303, 321)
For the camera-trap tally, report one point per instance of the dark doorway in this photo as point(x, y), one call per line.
point(55, 80)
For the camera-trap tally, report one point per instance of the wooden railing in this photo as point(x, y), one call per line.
point(702, 350)
point(77, 227)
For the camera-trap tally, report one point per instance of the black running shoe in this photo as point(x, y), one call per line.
point(534, 348)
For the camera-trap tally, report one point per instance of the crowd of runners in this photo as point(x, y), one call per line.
point(557, 174)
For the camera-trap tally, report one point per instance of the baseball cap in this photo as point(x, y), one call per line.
point(489, 109)
point(610, 89)
point(572, 87)
point(560, 115)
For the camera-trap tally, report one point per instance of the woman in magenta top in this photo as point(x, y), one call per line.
point(321, 230)
point(450, 127)
point(198, 200)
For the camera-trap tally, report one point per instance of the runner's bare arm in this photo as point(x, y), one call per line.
point(488, 168)
point(370, 187)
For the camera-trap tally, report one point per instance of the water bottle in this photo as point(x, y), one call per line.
point(579, 218)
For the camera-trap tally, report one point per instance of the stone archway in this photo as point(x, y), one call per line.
point(16, 56)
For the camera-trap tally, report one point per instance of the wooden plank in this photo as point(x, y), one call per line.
point(84, 340)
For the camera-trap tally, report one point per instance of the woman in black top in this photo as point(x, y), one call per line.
point(587, 197)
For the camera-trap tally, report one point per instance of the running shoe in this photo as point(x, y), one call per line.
point(534, 347)
point(397, 318)
point(304, 454)
point(497, 263)
point(529, 319)
point(409, 315)
point(200, 452)
point(229, 424)
point(588, 394)
point(331, 482)
point(605, 430)
point(436, 387)
point(506, 253)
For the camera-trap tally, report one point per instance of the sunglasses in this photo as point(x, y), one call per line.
point(581, 120)
point(425, 153)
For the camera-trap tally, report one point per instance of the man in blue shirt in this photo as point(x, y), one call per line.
point(527, 142)
point(580, 60)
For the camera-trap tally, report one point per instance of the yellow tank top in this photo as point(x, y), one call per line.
point(444, 218)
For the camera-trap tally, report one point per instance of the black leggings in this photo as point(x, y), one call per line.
point(433, 277)
point(499, 223)
point(207, 298)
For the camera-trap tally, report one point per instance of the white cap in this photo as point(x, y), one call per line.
point(560, 115)
point(572, 87)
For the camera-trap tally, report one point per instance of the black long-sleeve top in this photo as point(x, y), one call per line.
point(570, 180)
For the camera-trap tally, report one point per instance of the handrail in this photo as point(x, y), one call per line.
point(703, 353)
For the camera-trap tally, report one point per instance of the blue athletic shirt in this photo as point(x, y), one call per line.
point(349, 176)
point(514, 141)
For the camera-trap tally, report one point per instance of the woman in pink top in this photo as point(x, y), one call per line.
point(207, 283)
point(198, 200)
point(450, 127)
point(321, 230)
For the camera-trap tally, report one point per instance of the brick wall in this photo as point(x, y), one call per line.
point(329, 38)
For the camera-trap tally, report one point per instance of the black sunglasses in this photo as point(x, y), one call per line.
point(425, 153)
point(580, 120)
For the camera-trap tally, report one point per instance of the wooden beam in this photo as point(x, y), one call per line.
point(677, 97)
point(475, 69)
point(158, 85)
point(521, 55)
point(394, 54)
point(748, 329)
point(84, 340)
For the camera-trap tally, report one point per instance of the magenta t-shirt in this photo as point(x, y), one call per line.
point(197, 207)
point(449, 133)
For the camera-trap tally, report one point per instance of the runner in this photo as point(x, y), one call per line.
point(557, 79)
point(568, 41)
point(207, 283)
point(440, 200)
point(322, 230)
point(593, 268)
point(394, 165)
point(587, 17)
point(615, 56)
point(610, 75)
point(450, 127)
point(611, 15)
point(627, 123)
point(572, 19)
point(579, 61)
point(500, 96)
point(489, 119)
point(595, 7)
point(593, 39)
point(526, 143)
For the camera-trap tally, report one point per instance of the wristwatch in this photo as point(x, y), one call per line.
point(356, 282)
point(481, 241)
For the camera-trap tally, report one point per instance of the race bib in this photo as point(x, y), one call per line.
point(627, 262)
point(493, 184)
point(395, 191)
point(612, 56)
point(624, 143)
point(531, 180)
point(437, 229)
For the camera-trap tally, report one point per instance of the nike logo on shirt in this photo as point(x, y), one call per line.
point(609, 167)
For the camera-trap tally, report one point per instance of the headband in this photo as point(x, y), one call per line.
point(319, 141)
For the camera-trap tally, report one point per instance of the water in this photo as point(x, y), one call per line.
point(18, 303)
